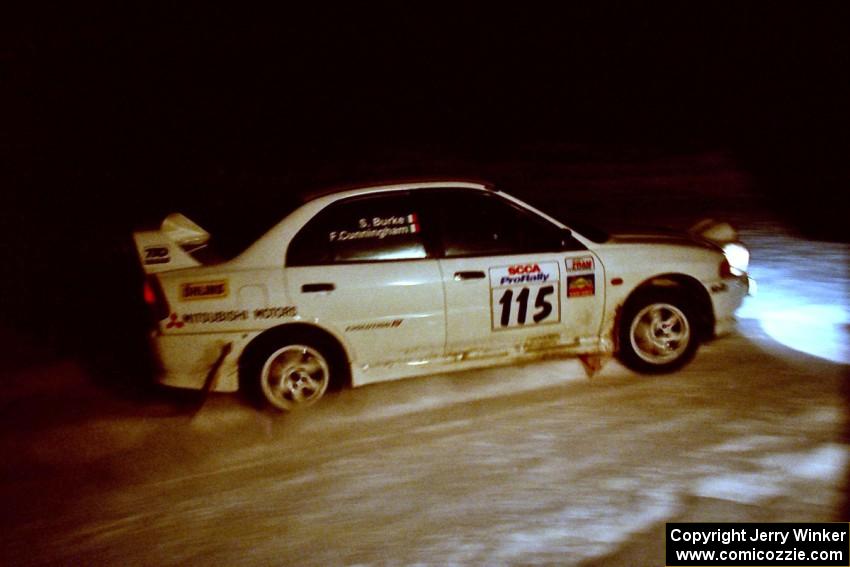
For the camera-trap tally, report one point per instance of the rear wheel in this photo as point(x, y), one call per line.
point(657, 331)
point(289, 371)
point(294, 376)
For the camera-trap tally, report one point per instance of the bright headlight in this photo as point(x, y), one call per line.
point(738, 257)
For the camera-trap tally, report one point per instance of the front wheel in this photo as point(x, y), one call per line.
point(657, 332)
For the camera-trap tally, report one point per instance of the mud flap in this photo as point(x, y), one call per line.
point(211, 375)
point(593, 363)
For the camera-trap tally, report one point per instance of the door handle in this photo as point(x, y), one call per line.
point(315, 287)
point(472, 275)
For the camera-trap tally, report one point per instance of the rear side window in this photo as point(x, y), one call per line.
point(375, 228)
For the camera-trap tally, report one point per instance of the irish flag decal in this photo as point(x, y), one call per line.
point(413, 221)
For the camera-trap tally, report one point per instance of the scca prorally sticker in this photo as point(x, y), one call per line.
point(203, 290)
point(379, 227)
point(156, 255)
point(581, 286)
point(525, 294)
point(580, 264)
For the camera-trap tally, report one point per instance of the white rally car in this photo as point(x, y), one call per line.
point(393, 281)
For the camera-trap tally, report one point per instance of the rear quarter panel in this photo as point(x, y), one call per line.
point(218, 299)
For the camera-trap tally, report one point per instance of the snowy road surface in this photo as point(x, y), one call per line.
point(530, 465)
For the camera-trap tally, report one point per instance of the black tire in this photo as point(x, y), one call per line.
point(658, 331)
point(289, 371)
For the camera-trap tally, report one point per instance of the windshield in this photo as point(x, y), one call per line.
point(591, 232)
point(566, 214)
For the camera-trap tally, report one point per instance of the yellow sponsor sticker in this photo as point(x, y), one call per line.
point(203, 290)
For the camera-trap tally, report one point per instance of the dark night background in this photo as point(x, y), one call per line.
point(116, 114)
point(114, 117)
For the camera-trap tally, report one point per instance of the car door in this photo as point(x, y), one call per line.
point(512, 279)
point(362, 267)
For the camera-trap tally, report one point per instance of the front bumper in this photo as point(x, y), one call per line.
point(188, 360)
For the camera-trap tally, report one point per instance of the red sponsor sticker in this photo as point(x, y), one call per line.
point(580, 264)
point(581, 286)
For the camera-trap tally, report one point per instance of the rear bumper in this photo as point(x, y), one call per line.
point(191, 360)
point(726, 298)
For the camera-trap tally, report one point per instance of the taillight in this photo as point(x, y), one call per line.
point(726, 269)
point(150, 297)
point(155, 299)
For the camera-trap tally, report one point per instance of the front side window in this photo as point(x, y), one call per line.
point(366, 229)
point(484, 224)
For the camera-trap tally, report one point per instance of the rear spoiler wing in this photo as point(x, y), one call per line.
point(719, 233)
point(170, 247)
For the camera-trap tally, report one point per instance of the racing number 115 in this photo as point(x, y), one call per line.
point(542, 306)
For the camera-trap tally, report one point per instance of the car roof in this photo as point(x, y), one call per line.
point(265, 250)
point(351, 191)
